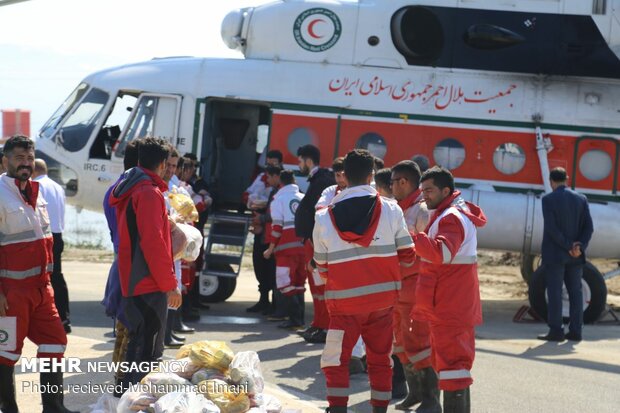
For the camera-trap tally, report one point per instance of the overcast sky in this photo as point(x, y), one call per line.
point(48, 46)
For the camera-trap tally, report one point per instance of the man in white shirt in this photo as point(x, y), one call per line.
point(54, 195)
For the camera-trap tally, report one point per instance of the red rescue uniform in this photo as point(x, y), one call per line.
point(448, 294)
point(412, 337)
point(360, 244)
point(25, 265)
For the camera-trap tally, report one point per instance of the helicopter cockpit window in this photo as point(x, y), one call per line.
point(111, 130)
point(47, 131)
point(449, 153)
point(374, 143)
point(153, 115)
point(417, 35)
point(141, 125)
point(509, 158)
point(79, 125)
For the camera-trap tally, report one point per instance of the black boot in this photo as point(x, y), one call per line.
point(429, 391)
point(261, 305)
point(177, 337)
point(336, 409)
point(169, 341)
point(7, 389)
point(52, 396)
point(376, 409)
point(179, 326)
point(399, 386)
point(456, 401)
point(412, 376)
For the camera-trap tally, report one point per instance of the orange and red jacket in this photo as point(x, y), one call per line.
point(447, 291)
point(26, 242)
point(145, 249)
point(361, 243)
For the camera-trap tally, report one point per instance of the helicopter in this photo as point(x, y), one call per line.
point(497, 92)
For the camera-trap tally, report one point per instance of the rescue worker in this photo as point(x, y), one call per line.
point(147, 279)
point(112, 299)
point(173, 321)
point(309, 157)
point(412, 341)
point(257, 196)
point(54, 195)
point(357, 362)
point(330, 192)
point(25, 264)
point(360, 244)
point(448, 294)
point(383, 179)
point(288, 249)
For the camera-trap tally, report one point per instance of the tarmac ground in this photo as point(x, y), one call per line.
point(513, 372)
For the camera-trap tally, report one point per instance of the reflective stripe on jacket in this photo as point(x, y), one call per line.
point(26, 257)
point(362, 279)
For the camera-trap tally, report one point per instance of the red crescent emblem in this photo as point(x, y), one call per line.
point(311, 28)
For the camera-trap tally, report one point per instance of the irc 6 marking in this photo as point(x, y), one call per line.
point(94, 167)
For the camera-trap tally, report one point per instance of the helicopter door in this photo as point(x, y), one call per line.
point(595, 165)
point(154, 115)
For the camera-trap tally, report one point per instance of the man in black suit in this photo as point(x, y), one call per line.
point(309, 157)
point(567, 231)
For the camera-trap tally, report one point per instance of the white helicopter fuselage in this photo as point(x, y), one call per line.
point(341, 75)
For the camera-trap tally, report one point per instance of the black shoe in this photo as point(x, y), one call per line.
point(318, 337)
point(179, 326)
point(307, 331)
point(573, 336)
point(261, 305)
point(552, 337)
point(177, 337)
point(336, 409)
point(172, 343)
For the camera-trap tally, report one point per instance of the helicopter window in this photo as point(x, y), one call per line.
point(111, 130)
point(47, 131)
point(418, 35)
point(300, 137)
point(78, 127)
point(595, 165)
point(374, 143)
point(449, 153)
point(599, 7)
point(509, 158)
point(141, 124)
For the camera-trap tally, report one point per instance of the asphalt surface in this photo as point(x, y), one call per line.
point(513, 371)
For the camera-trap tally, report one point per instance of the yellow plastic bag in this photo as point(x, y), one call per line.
point(184, 206)
point(223, 395)
point(211, 354)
